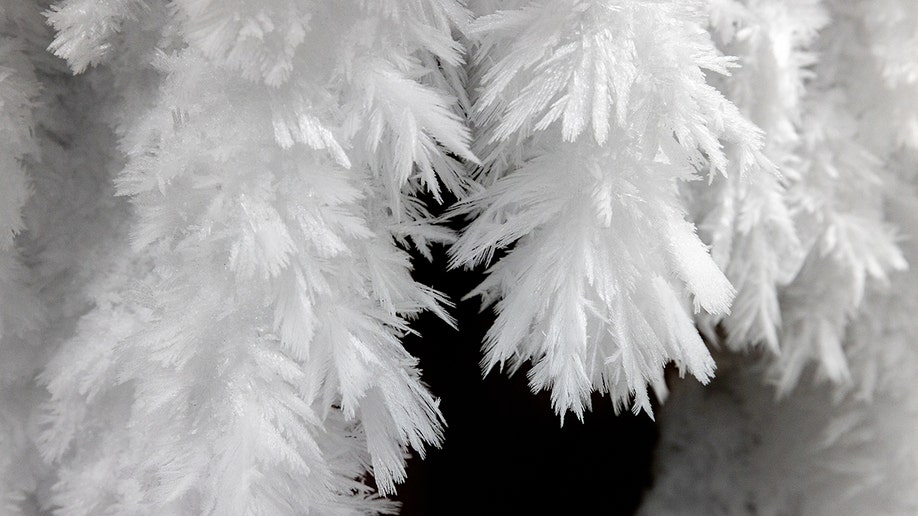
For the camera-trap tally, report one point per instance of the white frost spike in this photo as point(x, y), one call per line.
point(695, 267)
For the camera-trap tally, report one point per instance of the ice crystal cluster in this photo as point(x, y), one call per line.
point(209, 208)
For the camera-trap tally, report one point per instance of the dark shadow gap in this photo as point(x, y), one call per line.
point(505, 450)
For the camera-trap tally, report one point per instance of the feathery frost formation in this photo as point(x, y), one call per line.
point(206, 207)
point(590, 118)
point(240, 350)
point(20, 310)
point(845, 446)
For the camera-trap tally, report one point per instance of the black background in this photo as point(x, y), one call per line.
point(505, 449)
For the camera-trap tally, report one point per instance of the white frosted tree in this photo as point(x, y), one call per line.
point(208, 209)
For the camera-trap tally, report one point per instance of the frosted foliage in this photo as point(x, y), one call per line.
point(748, 220)
point(208, 211)
point(18, 89)
point(585, 150)
point(842, 226)
point(824, 448)
point(88, 31)
point(241, 352)
point(20, 310)
point(800, 251)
